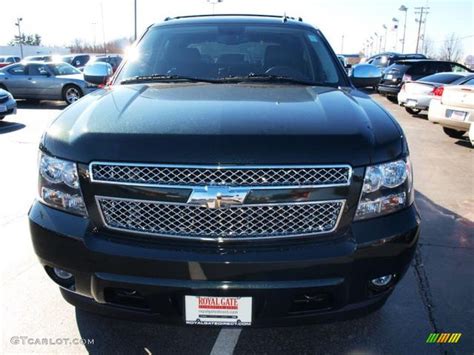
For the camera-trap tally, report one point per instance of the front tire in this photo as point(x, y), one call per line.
point(453, 133)
point(413, 111)
point(71, 93)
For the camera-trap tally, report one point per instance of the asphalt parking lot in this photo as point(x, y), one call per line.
point(435, 296)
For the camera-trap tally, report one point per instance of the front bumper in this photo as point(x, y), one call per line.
point(276, 276)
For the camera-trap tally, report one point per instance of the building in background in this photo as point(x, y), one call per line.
point(32, 50)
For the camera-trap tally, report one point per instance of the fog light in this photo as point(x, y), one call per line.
point(63, 275)
point(382, 281)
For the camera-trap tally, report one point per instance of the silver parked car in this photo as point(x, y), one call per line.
point(416, 96)
point(7, 104)
point(44, 81)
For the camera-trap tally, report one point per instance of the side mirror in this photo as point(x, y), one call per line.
point(364, 75)
point(97, 73)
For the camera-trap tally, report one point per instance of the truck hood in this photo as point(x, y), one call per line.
point(225, 124)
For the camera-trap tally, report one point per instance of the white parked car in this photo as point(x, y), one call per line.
point(416, 96)
point(455, 110)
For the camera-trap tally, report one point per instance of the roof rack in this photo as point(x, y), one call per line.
point(284, 17)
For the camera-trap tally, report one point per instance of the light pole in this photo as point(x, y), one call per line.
point(213, 3)
point(342, 44)
point(385, 38)
point(420, 11)
point(405, 9)
point(380, 43)
point(376, 40)
point(135, 19)
point(103, 26)
point(94, 32)
point(395, 21)
point(20, 39)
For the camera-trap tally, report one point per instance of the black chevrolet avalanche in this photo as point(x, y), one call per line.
point(229, 173)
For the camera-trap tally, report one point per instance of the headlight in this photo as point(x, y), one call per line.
point(387, 188)
point(59, 185)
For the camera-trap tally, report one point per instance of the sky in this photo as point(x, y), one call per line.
point(59, 22)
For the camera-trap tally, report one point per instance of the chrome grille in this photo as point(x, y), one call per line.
point(241, 222)
point(172, 175)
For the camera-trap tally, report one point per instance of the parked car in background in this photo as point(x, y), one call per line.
point(113, 59)
point(386, 59)
point(455, 110)
point(77, 60)
point(44, 81)
point(7, 104)
point(416, 96)
point(39, 58)
point(406, 70)
point(7, 60)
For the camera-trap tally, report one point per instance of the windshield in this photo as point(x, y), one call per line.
point(397, 68)
point(213, 52)
point(444, 78)
point(64, 69)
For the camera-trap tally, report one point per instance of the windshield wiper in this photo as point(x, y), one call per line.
point(264, 78)
point(164, 78)
point(269, 78)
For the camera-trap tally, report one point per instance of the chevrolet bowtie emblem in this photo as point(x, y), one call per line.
point(217, 196)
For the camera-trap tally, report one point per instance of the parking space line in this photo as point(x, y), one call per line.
point(226, 341)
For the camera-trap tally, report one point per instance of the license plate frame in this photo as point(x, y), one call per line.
point(218, 310)
point(457, 115)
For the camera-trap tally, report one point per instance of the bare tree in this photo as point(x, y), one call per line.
point(428, 48)
point(28, 39)
point(451, 49)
